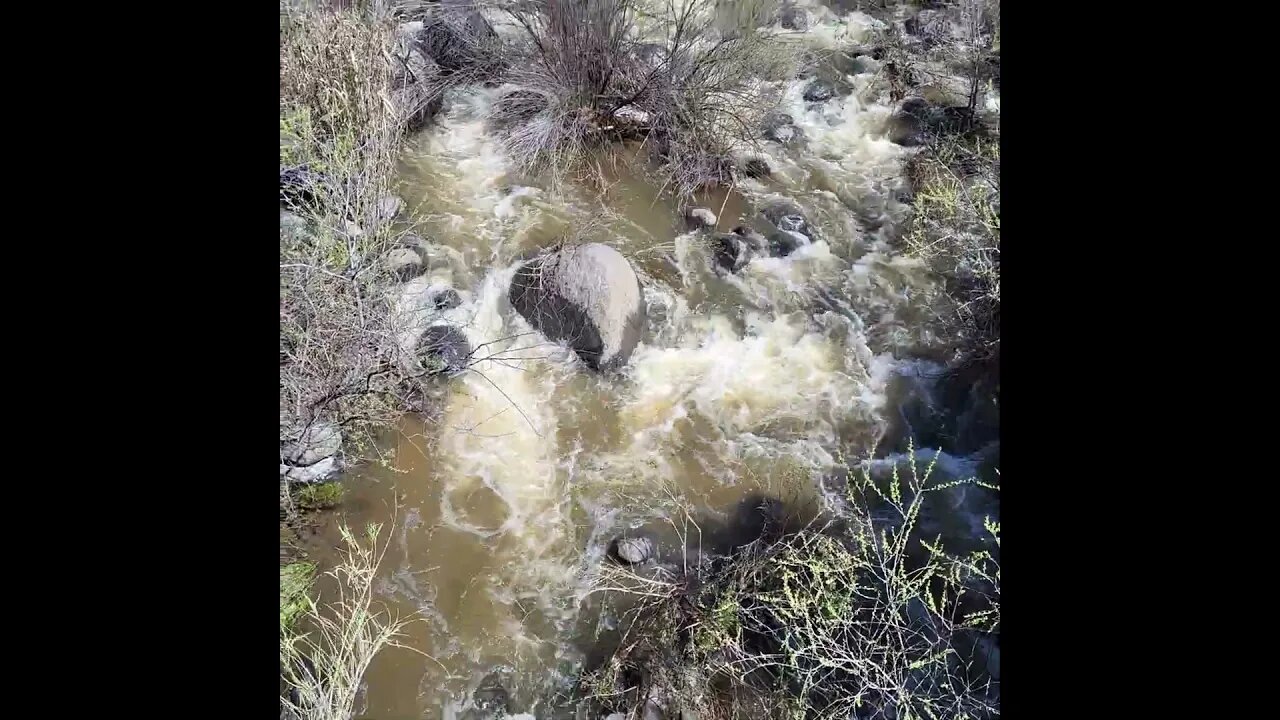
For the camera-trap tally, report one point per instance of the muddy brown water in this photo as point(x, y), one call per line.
point(504, 505)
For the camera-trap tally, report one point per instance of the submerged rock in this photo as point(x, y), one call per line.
point(587, 295)
point(632, 550)
point(699, 218)
point(788, 217)
point(730, 251)
point(783, 242)
point(780, 128)
point(443, 349)
point(490, 697)
point(819, 91)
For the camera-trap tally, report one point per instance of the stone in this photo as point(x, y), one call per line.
point(699, 218)
point(587, 295)
point(632, 551)
point(310, 445)
point(404, 264)
point(819, 91)
point(443, 349)
point(788, 217)
point(445, 298)
point(318, 472)
point(785, 242)
point(730, 252)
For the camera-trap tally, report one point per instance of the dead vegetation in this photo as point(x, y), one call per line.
point(945, 62)
point(865, 619)
point(575, 80)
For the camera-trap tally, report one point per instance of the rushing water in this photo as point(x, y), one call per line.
point(741, 384)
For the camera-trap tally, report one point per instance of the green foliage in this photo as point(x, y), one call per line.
point(295, 582)
point(320, 496)
point(871, 617)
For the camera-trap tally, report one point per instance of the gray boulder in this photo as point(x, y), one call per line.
point(413, 75)
point(586, 295)
point(632, 551)
point(310, 445)
point(445, 298)
point(443, 349)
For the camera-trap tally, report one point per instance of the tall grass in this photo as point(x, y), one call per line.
point(326, 649)
point(340, 137)
point(869, 619)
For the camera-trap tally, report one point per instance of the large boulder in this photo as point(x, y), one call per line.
point(310, 454)
point(587, 295)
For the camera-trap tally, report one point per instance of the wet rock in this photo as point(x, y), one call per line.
point(780, 128)
point(490, 697)
point(588, 295)
point(783, 243)
point(794, 18)
point(404, 264)
point(754, 240)
point(443, 349)
point(445, 298)
point(699, 218)
point(819, 91)
point(788, 217)
point(757, 168)
point(730, 251)
point(310, 445)
point(632, 550)
point(917, 120)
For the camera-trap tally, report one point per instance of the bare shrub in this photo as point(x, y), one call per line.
point(340, 137)
point(869, 620)
point(579, 79)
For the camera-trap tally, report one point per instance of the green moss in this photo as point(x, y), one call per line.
point(295, 581)
point(320, 496)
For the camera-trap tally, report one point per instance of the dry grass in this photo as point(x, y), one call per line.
point(340, 139)
point(577, 81)
point(324, 656)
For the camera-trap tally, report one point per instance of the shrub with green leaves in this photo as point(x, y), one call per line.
point(865, 617)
